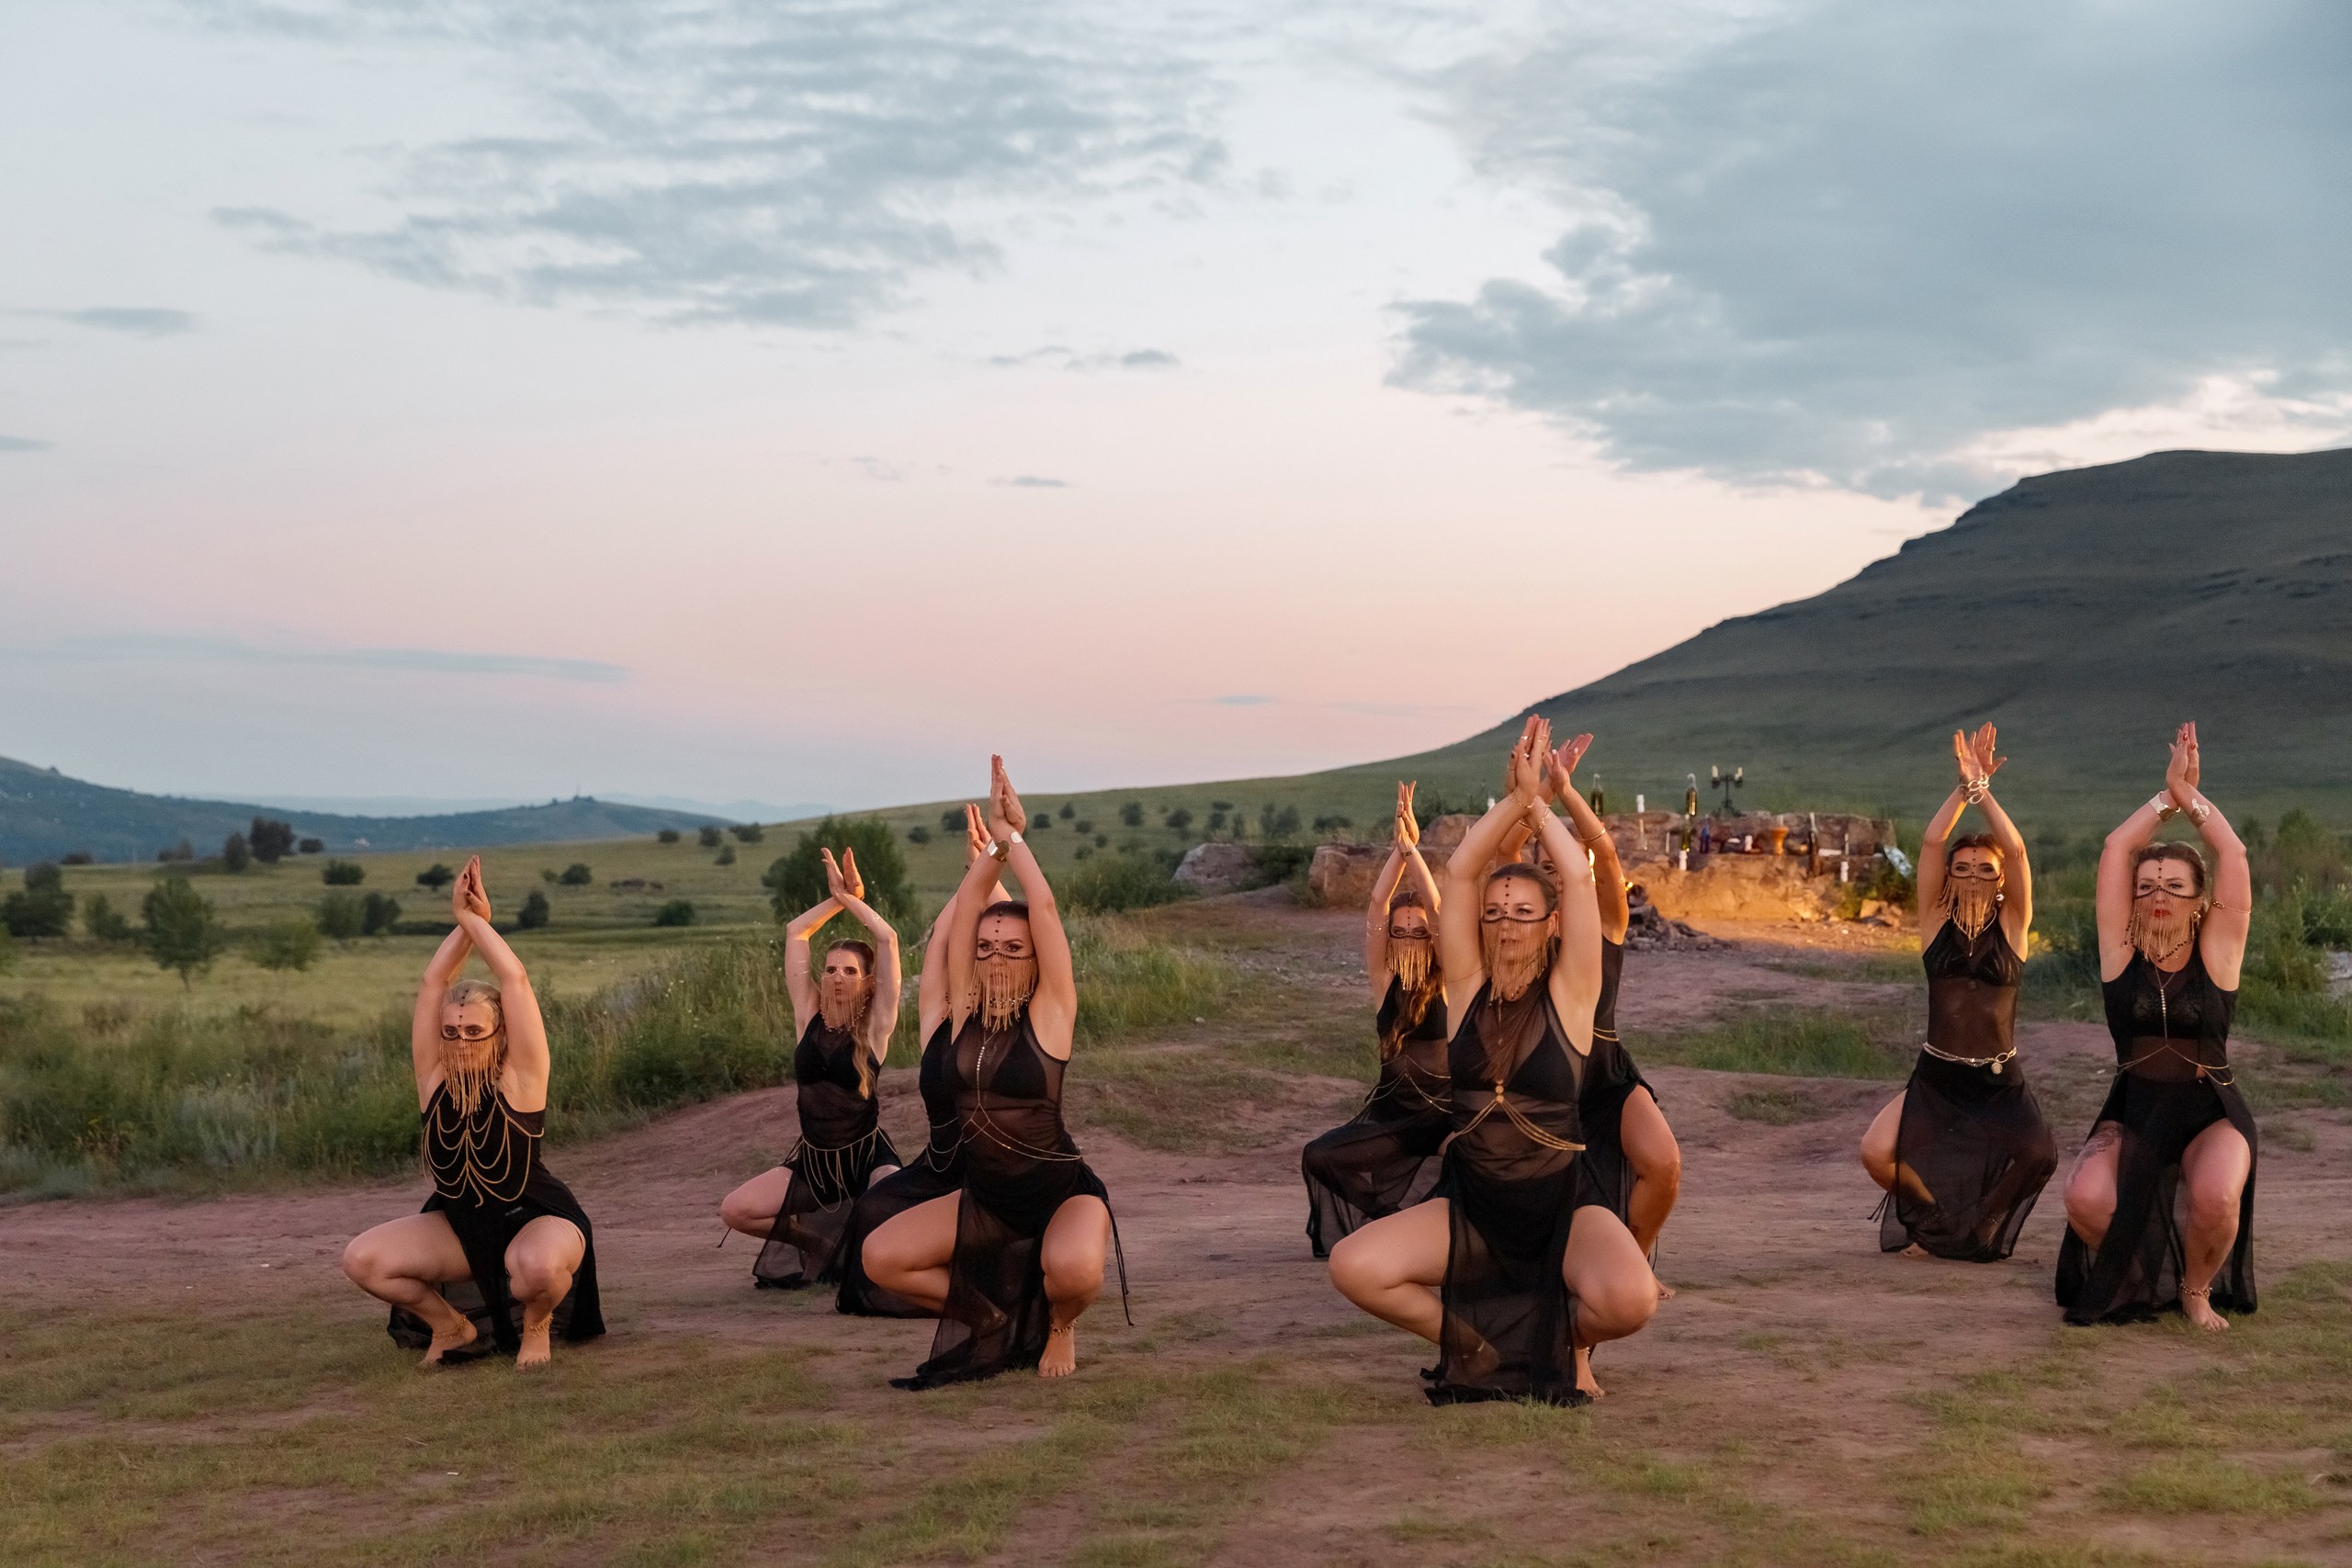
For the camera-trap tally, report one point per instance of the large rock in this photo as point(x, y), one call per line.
point(1342, 875)
point(1218, 868)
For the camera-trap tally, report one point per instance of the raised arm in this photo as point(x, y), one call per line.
point(931, 990)
point(2115, 871)
point(425, 1027)
point(1375, 922)
point(525, 1079)
point(1053, 1009)
point(1576, 974)
point(1465, 870)
point(2017, 905)
point(2220, 942)
point(800, 984)
point(848, 889)
point(1934, 852)
point(1592, 833)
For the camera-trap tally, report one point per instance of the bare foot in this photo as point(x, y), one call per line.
point(1664, 1291)
point(1061, 1359)
point(1915, 1250)
point(536, 1351)
point(2199, 1305)
point(1585, 1382)
point(1474, 1362)
point(447, 1339)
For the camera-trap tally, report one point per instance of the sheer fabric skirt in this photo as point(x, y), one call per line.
point(936, 1175)
point(1369, 1167)
point(1978, 1143)
point(1504, 1300)
point(485, 1231)
point(2136, 1273)
point(804, 1246)
point(998, 1314)
point(1611, 1078)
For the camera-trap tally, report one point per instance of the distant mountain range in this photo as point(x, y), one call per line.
point(44, 815)
point(2086, 612)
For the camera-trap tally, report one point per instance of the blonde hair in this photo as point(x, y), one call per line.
point(468, 1086)
point(463, 993)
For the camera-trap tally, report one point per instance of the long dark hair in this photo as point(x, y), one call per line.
point(1416, 999)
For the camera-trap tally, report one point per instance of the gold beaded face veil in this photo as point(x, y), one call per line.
point(1515, 943)
point(1006, 968)
point(473, 1043)
point(2168, 902)
point(1972, 892)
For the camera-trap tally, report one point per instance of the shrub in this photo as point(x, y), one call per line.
point(284, 944)
point(535, 911)
point(75, 857)
point(312, 847)
point(1132, 814)
point(342, 916)
point(1083, 824)
point(726, 855)
point(577, 875)
point(748, 832)
point(181, 851)
point(1067, 812)
point(1220, 805)
point(104, 922)
point(1217, 820)
point(1277, 824)
point(798, 879)
point(1111, 884)
point(709, 835)
point(1040, 823)
point(666, 836)
point(8, 950)
point(918, 834)
point(436, 876)
point(1281, 863)
point(951, 821)
point(182, 930)
point(235, 853)
point(1333, 823)
point(270, 839)
point(1179, 820)
point(676, 912)
point(343, 873)
point(42, 909)
point(1102, 840)
point(379, 914)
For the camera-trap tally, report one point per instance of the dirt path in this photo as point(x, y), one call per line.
point(1790, 1326)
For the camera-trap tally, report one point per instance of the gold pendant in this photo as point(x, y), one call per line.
point(1996, 1069)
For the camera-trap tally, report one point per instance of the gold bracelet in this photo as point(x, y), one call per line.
point(2161, 803)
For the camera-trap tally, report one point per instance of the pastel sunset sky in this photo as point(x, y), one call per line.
point(793, 402)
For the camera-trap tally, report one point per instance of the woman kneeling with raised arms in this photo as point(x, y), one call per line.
point(1964, 1151)
point(802, 1207)
point(1516, 1266)
point(497, 1217)
point(2170, 945)
point(1010, 1261)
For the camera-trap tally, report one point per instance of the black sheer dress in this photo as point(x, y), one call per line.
point(934, 1173)
point(487, 1183)
point(2172, 1038)
point(1515, 1175)
point(1609, 1079)
point(840, 1143)
point(1972, 1130)
point(1372, 1164)
point(1020, 1166)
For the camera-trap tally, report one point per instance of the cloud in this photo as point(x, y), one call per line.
point(1242, 700)
point(1148, 359)
point(1070, 359)
point(798, 165)
point(1033, 482)
point(131, 647)
point(137, 321)
point(1849, 243)
point(23, 443)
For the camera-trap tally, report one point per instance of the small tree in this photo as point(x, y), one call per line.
point(181, 930)
point(343, 873)
point(312, 847)
point(104, 922)
point(43, 909)
point(952, 822)
point(1131, 813)
point(748, 832)
point(666, 836)
point(436, 876)
point(76, 857)
point(726, 855)
point(709, 835)
point(1083, 824)
point(798, 879)
point(918, 834)
point(235, 853)
point(1333, 822)
point(179, 852)
point(535, 911)
point(270, 839)
point(1275, 823)
point(1067, 812)
point(1179, 820)
point(284, 944)
point(676, 912)
point(342, 916)
point(577, 875)
point(379, 914)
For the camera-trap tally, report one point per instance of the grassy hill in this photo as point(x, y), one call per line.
point(2085, 612)
point(44, 814)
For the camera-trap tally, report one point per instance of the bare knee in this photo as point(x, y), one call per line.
point(535, 1280)
point(2090, 1201)
point(363, 1262)
point(737, 1215)
point(1074, 1272)
point(2212, 1205)
point(1357, 1271)
point(1620, 1305)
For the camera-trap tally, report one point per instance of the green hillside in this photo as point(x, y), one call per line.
point(2085, 612)
point(44, 814)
